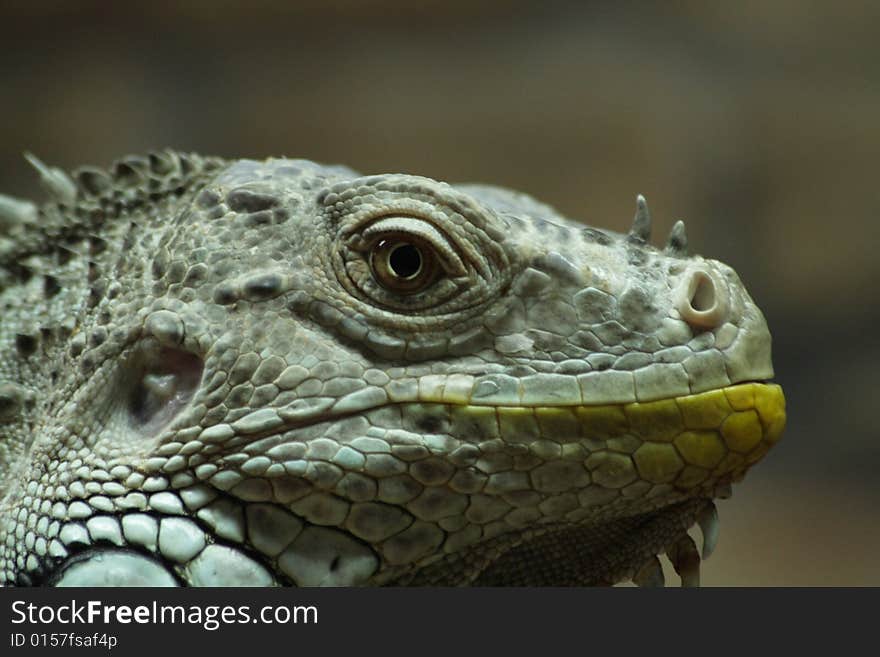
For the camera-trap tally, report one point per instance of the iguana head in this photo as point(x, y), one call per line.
point(276, 372)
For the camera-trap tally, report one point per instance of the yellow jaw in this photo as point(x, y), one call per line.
point(711, 434)
point(682, 441)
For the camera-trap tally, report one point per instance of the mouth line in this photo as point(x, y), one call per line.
point(324, 408)
point(742, 416)
point(553, 403)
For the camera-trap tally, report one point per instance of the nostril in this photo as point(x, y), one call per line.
point(701, 301)
point(703, 296)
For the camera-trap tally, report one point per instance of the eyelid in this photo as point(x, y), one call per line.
point(422, 230)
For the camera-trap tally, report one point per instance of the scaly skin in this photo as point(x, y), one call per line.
point(221, 373)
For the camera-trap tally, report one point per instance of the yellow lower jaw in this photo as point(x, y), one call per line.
point(712, 433)
point(682, 441)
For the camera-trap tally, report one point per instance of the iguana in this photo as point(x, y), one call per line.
point(275, 372)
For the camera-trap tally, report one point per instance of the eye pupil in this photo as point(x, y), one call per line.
point(403, 266)
point(405, 261)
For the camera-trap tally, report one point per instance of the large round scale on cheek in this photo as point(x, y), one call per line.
point(115, 568)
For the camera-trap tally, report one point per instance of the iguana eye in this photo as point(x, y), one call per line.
point(407, 262)
point(403, 264)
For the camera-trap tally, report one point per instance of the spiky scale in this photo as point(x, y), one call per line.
point(677, 242)
point(14, 211)
point(641, 227)
point(54, 180)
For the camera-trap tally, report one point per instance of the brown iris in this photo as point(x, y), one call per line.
point(403, 264)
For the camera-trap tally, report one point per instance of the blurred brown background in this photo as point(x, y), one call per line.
point(757, 122)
